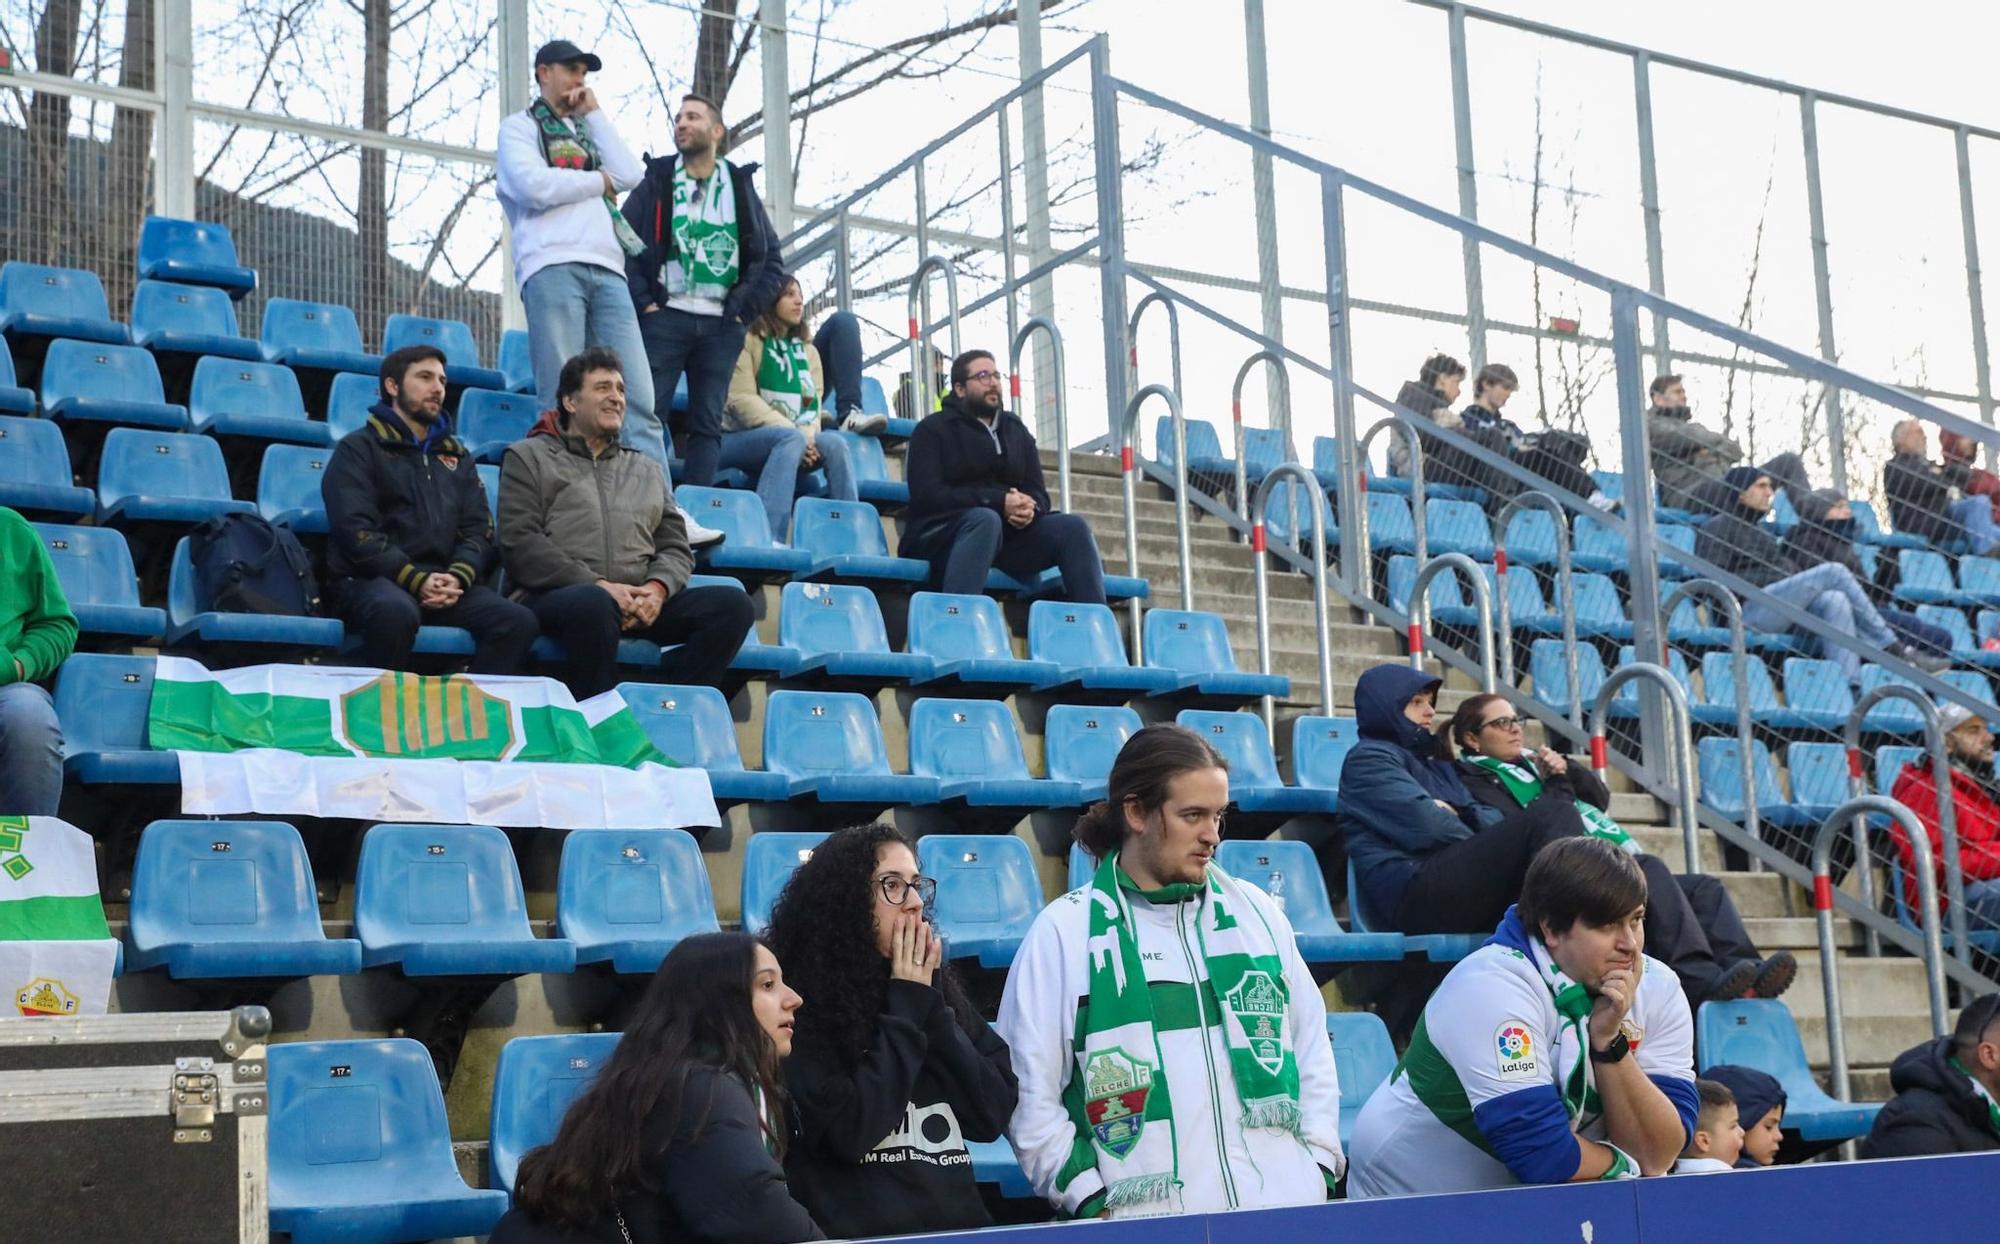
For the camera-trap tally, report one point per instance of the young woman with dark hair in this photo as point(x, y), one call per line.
point(893, 1070)
point(681, 1136)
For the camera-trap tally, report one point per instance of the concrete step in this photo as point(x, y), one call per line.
point(1876, 987)
point(1872, 1041)
point(1800, 933)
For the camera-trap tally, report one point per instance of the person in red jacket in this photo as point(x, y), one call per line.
point(1962, 450)
point(1969, 744)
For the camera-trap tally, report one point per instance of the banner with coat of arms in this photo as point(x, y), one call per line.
point(57, 955)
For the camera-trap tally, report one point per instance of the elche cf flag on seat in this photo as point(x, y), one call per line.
point(378, 745)
point(56, 954)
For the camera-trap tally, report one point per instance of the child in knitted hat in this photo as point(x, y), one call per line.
point(1760, 1106)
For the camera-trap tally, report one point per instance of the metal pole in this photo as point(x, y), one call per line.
point(1649, 202)
point(1468, 189)
point(173, 41)
point(1111, 287)
point(514, 79)
point(1565, 590)
point(1418, 499)
point(1283, 388)
point(1738, 649)
point(1353, 501)
point(1954, 878)
point(1822, 285)
point(1682, 741)
point(1052, 364)
point(1184, 560)
point(1302, 479)
point(1007, 236)
point(843, 264)
point(1263, 183)
point(774, 52)
point(1420, 610)
point(922, 375)
point(1035, 179)
point(1173, 334)
point(1975, 294)
point(1649, 642)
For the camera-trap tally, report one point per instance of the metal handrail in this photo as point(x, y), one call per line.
point(1420, 610)
point(1418, 497)
point(1277, 363)
point(1858, 809)
point(1302, 479)
point(1683, 740)
point(1027, 330)
point(1173, 337)
point(1565, 588)
point(1954, 880)
point(1739, 652)
point(922, 375)
point(1128, 466)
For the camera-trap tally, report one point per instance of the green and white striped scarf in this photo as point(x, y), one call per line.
point(1124, 1112)
point(1525, 785)
point(1992, 1106)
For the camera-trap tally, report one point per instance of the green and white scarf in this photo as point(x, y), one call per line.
point(785, 379)
point(567, 146)
point(1992, 1106)
point(705, 237)
point(1524, 783)
point(1124, 1112)
point(1573, 1007)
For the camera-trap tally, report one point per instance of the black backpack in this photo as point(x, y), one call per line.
point(243, 564)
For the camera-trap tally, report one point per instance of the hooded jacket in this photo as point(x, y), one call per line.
point(1817, 538)
point(1737, 538)
point(1757, 1093)
point(1935, 1109)
point(1920, 493)
point(953, 466)
point(1389, 785)
point(759, 265)
point(1685, 454)
point(400, 508)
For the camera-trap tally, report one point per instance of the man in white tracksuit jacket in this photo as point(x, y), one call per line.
point(1093, 1106)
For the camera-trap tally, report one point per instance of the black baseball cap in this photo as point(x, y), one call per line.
point(562, 52)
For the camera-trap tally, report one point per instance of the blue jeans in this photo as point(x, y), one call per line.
point(1975, 514)
point(574, 305)
point(839, 344)
point(31, 752)
point(1830, 593)
point(705, 347)
point(1982, 904)
point(772, 455)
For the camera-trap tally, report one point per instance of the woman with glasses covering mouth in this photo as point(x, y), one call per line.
point(892, 1071)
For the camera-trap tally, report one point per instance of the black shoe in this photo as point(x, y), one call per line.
point(1927, 661)
point(1734, 983)
point(1776, 975)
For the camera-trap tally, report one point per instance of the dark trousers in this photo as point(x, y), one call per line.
point(1469, 885)
point(709, 624)
point(705, 348)
point(1692, 927)
point(388, 618)
point(1912, 629)
point(1558, 457)
point(962, 549)
point(839, 344)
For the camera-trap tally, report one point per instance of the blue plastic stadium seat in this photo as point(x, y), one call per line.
point(1049, 586)
point(288, 487)
point(988, 893)
point(1979, 580)
point(1287, 520)
point(1717, 704)
point(162, 477)
point(1256, 790)
point(1551, 673)
point(229, 899)
point(1925, 578)
point(1401, 485)
point(993, 1162)
point(1390, 527)
point(1195, 646)
point(871, 471)
point(691, 725)
point(750, 553)
point(1598, 609)
point(34, 471)
point(1081, 741)
point(188, 319)
point(1965, 647)
point(94, 567)
point(37, 300)
point(1695, 625)
point(838, 632)
point(972, 749)
point(489, 482)
point(192, 252)
point(1626, 703)
point(454, 337)
point(1680, 537)
point(535, 1081)
point(316, 336)
point(1204, 447)
point(517, 364)
point(488, 421)
point(1889, 761)
point(1319, 748)
point(967, 641)
point(360, 1148)
point(1897, 716)
point(90, 382)
point(1868, 529)
point(628, 896)
point(103, 702)
point(1458, 527)
point(1597, 546)
point(1974, 684)
point(1816, 692)
point(1531, 538)
point(1326, 463)
point(769, 861)
point(1449, 600)
point(875, 401)
point(348, 399)
point(1761, 1033)
point(1082, 866)
point(259, 400)
point(191, 622)
point(1818, 773)
point(1436, 947)
point(1264, 451)
point(14, 400)
point(846, 542)
point(1784, 515)
point(1289, 873)
point(445, 900)
point(755, 659)
point(1720, 763)
point(1083, 640)
point(1527, 609)
point(829, 743)
point(1365, 1056)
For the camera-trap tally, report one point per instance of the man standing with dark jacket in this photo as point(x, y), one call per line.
point(1947, 1092)
point(977, 499)
point(409, 530)
point(710, 266)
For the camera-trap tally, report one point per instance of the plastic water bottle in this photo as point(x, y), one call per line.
point(1278, 890)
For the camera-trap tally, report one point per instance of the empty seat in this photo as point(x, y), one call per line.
point(628, 896)
point(1979, 579)
point(1717, 703)
point(1550, 671)
point(1816, 694)
point(14, 400)
point(90, 382)
point(1195, 645)
point(1259, 795)
point(1083, 640)
point(188, 319)
point(103, 702)
point(1818, 773)
point(1288, 872)
point(288, 487)
point(838, 631)
point(162, 477)
point(1974, 684)
point(1678, 537)
point(229, 899)
point(1081, 742)
point(39, 301)
point(1531, 538)
point(1264, 451)
point(1868, 529)
point(454, 338)
point(1626, 703)
point(1457, 527)
point(691, 726)
point(535, 1081)
point(1597, 546)
point(1598, 609)
point(259, 400)
point(517, 363)
point(1761, 1033)
point(973, 750)
point(1924, 577)
point(1965, 647)
point(192, 252)
point(845, 541)
point(1363, 1053)
point(1436, 947)
point(871, 471)
point(1204, 448)
point(1697, 624)
point(1390, 527)
point(769, 860)
point(1527, 609)
point(967, 641)
point(1720, 762)
point(360, 1148)
point(750, 553)
point(34, 470)
point(445, 900)
point(1319, 748)
point(1891, 716)
point(988, 893)
point(316, 336)
point(1287, 520)
point(1326, 463)
point(489, 421)
point(348, 400)
point(194, 621)
point(94, 567)
point(829, 744)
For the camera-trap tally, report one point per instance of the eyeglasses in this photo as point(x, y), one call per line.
point(1504, 723)
point(896, 890)
point(982, 376)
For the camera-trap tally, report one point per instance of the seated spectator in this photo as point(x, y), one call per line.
point(1555, 456)
point(1947, 1091)
point(1687, 455)
point(1975, 799)
point(1558, 1052)
point(409, 531)
point(682, 1134)
point(1718, 1133)
point(1825, 533)
point(596, 547)
point(37, 634)
point(1961, 450)
point(771, 423)
point(1738, 541)
point(977, 499)
point(1691, 922)
point(1930, 500)
point(838, 342)
point(892, 1069)
point(1431, 395)
point(1760, 1108)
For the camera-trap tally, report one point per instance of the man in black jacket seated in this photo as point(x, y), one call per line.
point(1947, 1092)
point(1928, 499)
point(410, 532)
point(977, 499)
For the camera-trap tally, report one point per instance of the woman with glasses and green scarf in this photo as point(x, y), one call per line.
point(896, 1071)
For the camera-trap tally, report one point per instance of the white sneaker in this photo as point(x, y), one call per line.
point(1603, 501)
point(700, 537)
point(860, 421)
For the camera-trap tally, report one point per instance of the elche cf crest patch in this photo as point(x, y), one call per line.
point(45, 995)
point(1258, 1005)
point(1115, 1089)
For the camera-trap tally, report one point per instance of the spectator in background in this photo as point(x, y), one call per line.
point(1760, 1108)
point(1947, 1091)
point(1975, 798)
point(682, 1134)
point(37, 634)
point(892, 1070)
point(771, 424)
point(1961, 451)
point(1825, 533)
point(1718, 1133)
point(977, 499)
point(596, 547)
point(1431, 396)
point(1557, 457)
point(708, 265)
point(1928, 499)
point(1687, 455)
point(409, 531)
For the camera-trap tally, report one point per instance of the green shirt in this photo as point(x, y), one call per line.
point(36, 627)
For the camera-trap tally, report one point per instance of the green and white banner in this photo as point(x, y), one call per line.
point(56, 954)
point(384, 746)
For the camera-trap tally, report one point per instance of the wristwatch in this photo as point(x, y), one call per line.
point(1615, 1052)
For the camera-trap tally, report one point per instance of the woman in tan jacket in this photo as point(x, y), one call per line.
point(771, 423)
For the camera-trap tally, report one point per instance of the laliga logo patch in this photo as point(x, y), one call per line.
point(1515, 1046)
